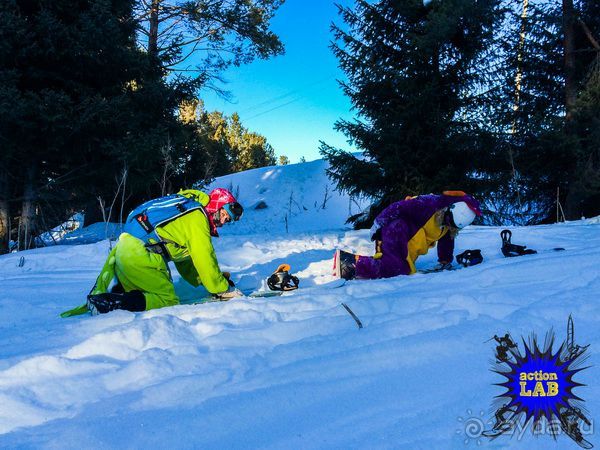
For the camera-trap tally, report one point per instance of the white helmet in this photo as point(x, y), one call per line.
point(461, 215)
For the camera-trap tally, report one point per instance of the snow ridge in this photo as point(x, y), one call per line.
point(291, 371)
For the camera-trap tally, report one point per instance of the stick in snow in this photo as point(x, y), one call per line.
point(356, 319)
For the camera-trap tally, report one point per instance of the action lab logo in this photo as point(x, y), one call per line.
point(539, 384)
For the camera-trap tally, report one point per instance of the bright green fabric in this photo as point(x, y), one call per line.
point(107, 274)
point(188, 272)
point(79, 310)
point(137, 269)
point(190, 245)
point(199, 196)
point(193, 251)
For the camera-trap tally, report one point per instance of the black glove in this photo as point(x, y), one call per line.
point(377, 235)
point(227, 276)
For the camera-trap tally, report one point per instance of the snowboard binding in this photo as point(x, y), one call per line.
point(510, 250)
point(282, 280)
point(469, 258)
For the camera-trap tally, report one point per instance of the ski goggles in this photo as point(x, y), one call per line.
point(234, 210)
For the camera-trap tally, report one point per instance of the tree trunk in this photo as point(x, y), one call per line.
point(27, 222)
point(569, 56)
point(519, 75)
point(4, 213)
point(153, 32)
point(574, 202)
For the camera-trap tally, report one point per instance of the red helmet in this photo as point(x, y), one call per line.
point(219, 197)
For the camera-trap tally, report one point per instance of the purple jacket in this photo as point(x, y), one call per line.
point(407, 229)
point(415, 213)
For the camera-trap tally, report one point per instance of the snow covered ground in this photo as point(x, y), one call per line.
point(291, 371)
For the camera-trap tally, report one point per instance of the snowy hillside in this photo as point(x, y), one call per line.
point(291, 371)
point(278, 199)
point(300, 195)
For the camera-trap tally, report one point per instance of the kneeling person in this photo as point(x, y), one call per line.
point(174, 228)
point(407, 229)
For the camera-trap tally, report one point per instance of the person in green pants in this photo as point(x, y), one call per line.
point(136, 277)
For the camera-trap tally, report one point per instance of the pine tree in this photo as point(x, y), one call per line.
point(81, 102)
point(584, 133)
point(12, 110)
point(247, 150)
point(583, 196)
point(413, 81)
point(542, 73)
point(527, 94)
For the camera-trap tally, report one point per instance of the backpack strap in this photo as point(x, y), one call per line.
point(160, 246)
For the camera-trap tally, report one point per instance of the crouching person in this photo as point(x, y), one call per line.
point(176, 228)
point(407, 229)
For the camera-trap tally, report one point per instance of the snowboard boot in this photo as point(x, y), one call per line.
point(109, 301)
point(344, 265)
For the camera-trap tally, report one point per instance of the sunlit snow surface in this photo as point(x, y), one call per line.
point(291, 371)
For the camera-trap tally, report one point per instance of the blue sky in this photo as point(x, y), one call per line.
point(293, 100)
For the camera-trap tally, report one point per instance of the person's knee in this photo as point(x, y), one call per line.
point(393, 265)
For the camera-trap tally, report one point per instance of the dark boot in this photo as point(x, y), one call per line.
point(344, 265)
point(109, 301)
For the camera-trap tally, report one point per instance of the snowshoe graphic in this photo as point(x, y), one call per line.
point(569, 423)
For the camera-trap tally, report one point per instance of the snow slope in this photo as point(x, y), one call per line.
point(293, 199)
point(291, 371)
point(300, 195)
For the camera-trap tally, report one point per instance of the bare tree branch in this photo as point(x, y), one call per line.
point(589, 35)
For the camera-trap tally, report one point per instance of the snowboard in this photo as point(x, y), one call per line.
point(248, 295)
point(459, 266)
point(435, 270)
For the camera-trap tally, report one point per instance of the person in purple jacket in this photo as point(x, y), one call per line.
point(407, 229)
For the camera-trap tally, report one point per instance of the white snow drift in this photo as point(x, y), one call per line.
point(292, 371)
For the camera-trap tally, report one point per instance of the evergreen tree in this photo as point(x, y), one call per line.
point(235, 139)
point(216, 145)
point(257, 152)
point(413, 80)
point(80, 104)
point(583, 196)
point(12, 111)
point(542, 73)
point(584, 132)
point(248, 150)
point(528, 97)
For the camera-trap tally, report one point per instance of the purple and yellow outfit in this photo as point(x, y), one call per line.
point(409, 228)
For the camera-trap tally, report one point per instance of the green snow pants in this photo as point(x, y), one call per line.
point(135, 268)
